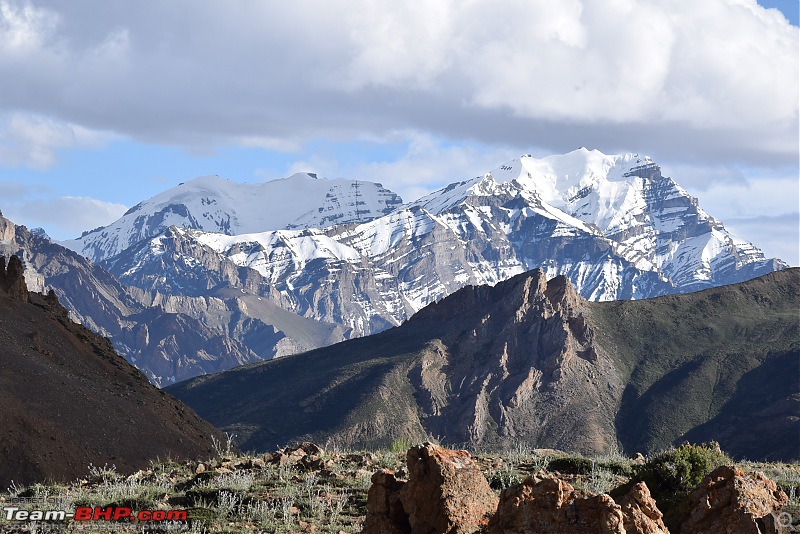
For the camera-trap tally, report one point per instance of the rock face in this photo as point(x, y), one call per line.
point(530, 360)
point(728, 500)
point(12, 279)
point(445, 493)
point(385, 512)
point(544, 504)
point(640, 513)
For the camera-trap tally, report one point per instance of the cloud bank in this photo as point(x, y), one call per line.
point(699, 81)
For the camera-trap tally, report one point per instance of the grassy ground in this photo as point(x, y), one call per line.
point(324, 493)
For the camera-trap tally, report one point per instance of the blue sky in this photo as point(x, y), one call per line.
point(98, 113)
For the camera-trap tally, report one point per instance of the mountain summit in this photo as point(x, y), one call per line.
point(214, 204)
point(308, 261)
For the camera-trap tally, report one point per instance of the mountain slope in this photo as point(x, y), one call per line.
point(170, 337)
point(613, 225)
point(530, 360)
point(217, 205)
point(68, 400)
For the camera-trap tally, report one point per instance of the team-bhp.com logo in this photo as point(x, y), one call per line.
point(93, 513)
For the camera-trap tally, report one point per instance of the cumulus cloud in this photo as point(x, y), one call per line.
point(62, 217)
point(32, 140)
point(709, 80)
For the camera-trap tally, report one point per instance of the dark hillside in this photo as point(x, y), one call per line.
point(68, 400)
point(529, 360)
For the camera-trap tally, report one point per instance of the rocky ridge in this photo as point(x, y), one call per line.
point(530, 360)
point(169, 337)
point(614, 225)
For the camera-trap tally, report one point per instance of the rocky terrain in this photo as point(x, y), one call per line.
point(529, 360)
point(67, 400)
point(432, 489)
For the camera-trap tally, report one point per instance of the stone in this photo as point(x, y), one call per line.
point(12, 279)
point(640, 513)
point(729, 500)
point(544, 504)
point(446, 491)
point(200, 469)
point(385, 513)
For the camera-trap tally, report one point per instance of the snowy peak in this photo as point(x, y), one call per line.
point(215, 204)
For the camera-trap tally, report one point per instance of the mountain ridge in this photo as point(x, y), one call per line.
point(529, 359)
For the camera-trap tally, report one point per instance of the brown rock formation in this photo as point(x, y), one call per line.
point(728, 500)
point(12, 279)
point(446, 493)
point(545, 504)
point(385, 512)
point(639, 512)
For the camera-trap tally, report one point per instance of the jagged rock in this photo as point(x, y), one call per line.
point(446, 492)
point(305, 455)
point(12, 279)
point(640, 513)
point(545, 504)
point(385, 512)
point(728, 500)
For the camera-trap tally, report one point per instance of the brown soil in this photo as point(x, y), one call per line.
point(68, 400)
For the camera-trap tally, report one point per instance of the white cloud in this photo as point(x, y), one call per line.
point(426, 164)
point(715, 79)
point(63, 217)
point(32, 140)
point(778, 236)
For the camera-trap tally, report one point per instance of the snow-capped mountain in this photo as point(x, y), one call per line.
point(214, 204)
point(613, 224)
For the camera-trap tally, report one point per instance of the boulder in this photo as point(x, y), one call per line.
point(446, 491)
point(639, 512)
point(385, 513)
point(544, 504)
point(728, 500)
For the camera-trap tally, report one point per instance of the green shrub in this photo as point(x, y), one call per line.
point(671, 475)
point(572, 465)
point(401, 445)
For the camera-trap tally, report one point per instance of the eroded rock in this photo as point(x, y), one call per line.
point(446, 493)
point(385, 512)
point(544, 504)
point(729, 500)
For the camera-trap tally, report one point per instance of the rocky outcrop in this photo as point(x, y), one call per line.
point(12, 279)
point(385, 512)
point(544, 504)
point(729, 500)
point(446, 493)
point(640, 513)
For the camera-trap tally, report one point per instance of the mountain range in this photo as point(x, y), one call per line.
point(530, 361)
point(212, 274)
